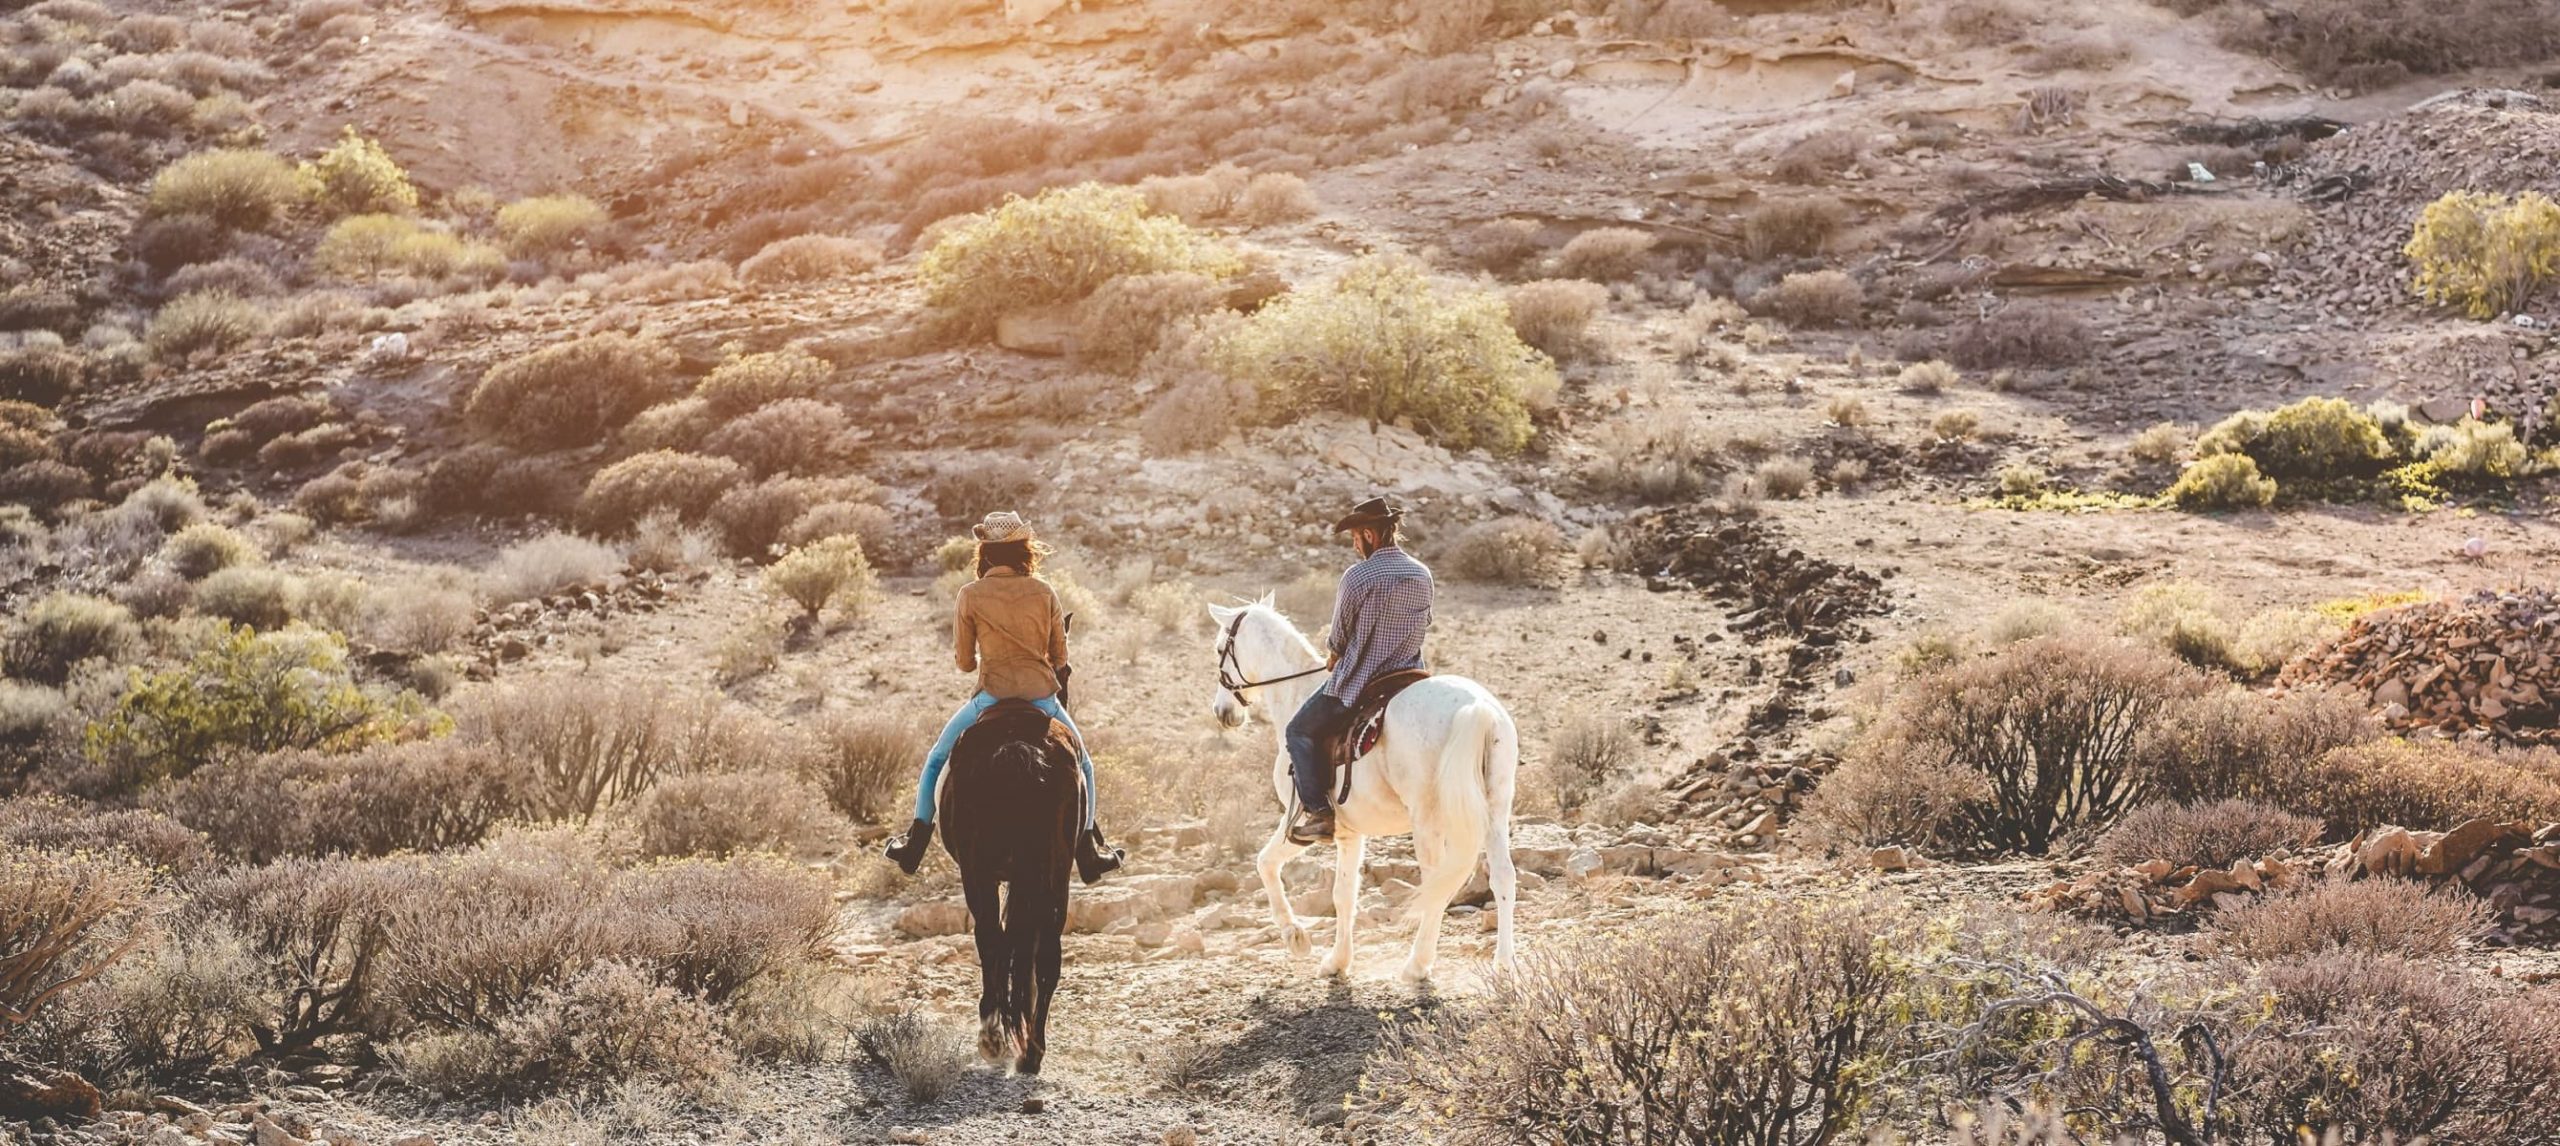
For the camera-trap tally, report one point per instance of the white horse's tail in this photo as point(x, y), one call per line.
point(1459, 802)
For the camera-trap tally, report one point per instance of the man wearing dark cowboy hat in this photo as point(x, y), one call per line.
point(1380, 616)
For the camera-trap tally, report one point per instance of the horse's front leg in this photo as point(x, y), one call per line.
point(995, 958)
point(1277, 852)
point(1346, 901)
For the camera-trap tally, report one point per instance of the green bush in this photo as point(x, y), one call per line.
point(1385, 342)
point(628, 490)
point(550, 224)
point(2222, 481)
point(2316, 439)
point(832, 570)
point(572, 394)
point(749, 381)
point(239, 189)
point(2476, 451)
point(2485, 253)
point(243, 693)
point(58, 632)
point(1056, 247)
point(357, 177)
point(205, 321)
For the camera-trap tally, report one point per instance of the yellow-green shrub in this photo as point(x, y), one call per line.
point(550, 224)
point(832, 570)
point(206, 320)
point(750, 381)
point(369, 246)
point(240, 189)
point(2476, 450)
point(2222, 481)
point(1386, 342)
point(244, 693)
point(2485, 253)
point(1059, 246)
point(2317, 438)
point(357, 177)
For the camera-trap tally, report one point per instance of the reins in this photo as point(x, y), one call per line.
point(1231, 672)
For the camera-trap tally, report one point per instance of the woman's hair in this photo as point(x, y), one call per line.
point(1022, 555)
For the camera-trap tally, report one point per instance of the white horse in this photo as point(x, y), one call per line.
point(1444, 772)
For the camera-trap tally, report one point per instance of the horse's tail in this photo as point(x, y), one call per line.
point(1460, 801)
point(1039, 834)
point(1033, 786)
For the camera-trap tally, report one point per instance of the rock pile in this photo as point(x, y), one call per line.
point(2389, 170)
point(2514, 867)
point(512, 632)
point(1779, 589)
point(2158, 891)
point(2487, 663)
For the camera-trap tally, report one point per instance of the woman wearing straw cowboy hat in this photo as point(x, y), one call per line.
point(1008, 630)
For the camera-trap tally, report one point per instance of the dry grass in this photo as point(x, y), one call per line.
point(1555, 315)
point(925, 1056)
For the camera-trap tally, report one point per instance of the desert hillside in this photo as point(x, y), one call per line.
point(2017, 541)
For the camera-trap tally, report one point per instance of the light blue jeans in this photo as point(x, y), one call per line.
point(968, 715)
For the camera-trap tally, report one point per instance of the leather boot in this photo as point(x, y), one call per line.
point(908, 850)
point(1093, 861)
point(1313, 827)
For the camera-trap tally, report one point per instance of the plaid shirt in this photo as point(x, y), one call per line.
point(1379, 619)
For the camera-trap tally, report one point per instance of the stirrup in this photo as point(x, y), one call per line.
point(907, 851)
point(1092, 861)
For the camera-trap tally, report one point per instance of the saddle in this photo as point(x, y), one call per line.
point(1367, 726)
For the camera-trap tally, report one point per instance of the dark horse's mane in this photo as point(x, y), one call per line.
point(1011, 809)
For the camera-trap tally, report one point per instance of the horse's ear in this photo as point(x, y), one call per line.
point(1222, 614)
point(1270, 600)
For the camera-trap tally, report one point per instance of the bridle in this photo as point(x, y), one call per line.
point(1231, 672)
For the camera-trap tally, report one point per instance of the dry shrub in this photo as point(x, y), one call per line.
point(2425, 785)
point(923, 1055)
point(2362, 44)
point(794, 435)
point(178, 1006)
point(873, 525)
point(241, 277)
point(865, 763)
point(1502, 245)
point(1817, 157)
point(2160, 445)
point(1505, 551)
point(1587, 755)
point(205, 548)
point(254, 596)
point(1195, 198)
point(571, 394)
point(1555, 315)
point(542, 566)
point(204, 322)
point(422, 796)
point(750, 381)
point(680, 425)
point(44, 376)
point(2053, 727)
point(587, 747)
point(60, 631)
point(807, 259)
point(628, 490)
point(610, 1024)
point(1927, 378)
point(1608, 1037)
point(2211, 835)
point(1784, 478)
point(51, 823)
point(1606, 255)
point(2021, 336)
point(1275, 197)
point(420, 617)
point(981, 486)
point(2376, 916)
point(2222, 481)
point(724, 814)
point(241, 190)
point(67, 916)
point(1792, 228)
point(749, 519)
point(1125, 320)
point(1813, 298)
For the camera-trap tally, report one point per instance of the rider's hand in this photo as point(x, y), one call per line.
point(1330, 660)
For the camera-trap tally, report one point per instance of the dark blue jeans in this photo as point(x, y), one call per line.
point(1320, 717)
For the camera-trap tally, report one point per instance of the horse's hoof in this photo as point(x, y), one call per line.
point(994, 1042)
point(1335, 963)
point(1027, 1066)
point(1299, 944)
point(1413, 976)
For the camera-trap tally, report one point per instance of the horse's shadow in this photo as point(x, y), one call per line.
point(1320, 1035)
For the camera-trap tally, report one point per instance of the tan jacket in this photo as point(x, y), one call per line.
point(1009, 632)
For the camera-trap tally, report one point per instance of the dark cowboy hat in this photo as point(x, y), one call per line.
point(1374, 513)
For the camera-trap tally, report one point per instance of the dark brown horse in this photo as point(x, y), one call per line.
point(1012, 804)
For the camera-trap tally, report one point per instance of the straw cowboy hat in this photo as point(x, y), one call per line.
point(1375, 513)
point(1002, 526)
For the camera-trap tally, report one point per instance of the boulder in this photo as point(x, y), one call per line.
point(1099, 909)
point(1164, 894)
point(29, 1092)
point(1583, 864)
point(1889, 859)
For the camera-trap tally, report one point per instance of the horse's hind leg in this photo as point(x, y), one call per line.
point(1506, 892)
point(1444, 874)
point(1275, 853)
point(994, 963)
point(1036, 1034)
point(1346, 902)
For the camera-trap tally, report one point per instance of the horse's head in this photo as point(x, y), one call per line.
point(1255, 646)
